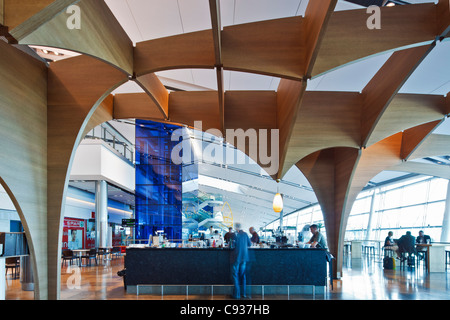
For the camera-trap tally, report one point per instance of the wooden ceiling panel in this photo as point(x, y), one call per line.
point(187, 107)
point(273, 47)
point(325, 120)
point(136, 105)
point(413, 137)
point(250, 109)
point(190, 50)
point(407, 111)
point(348, 38)
point(386, 83)
point(100, 35)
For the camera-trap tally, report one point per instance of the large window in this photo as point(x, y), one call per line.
point(410, 205)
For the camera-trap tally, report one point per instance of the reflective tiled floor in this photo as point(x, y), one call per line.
point(363, 279)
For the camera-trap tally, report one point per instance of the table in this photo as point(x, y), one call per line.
point(79, 254)
point(427, 246)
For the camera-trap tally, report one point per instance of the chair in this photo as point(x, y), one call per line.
point(115, 252)
point(12, 263)
point(409, 257)
point(103, 252)
point(91, 254)
point(67, 255)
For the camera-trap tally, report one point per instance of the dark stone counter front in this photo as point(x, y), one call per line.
point(211, 266)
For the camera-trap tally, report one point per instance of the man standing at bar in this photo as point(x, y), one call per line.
point(240, 258)
point(317, 240)
point(255, 236)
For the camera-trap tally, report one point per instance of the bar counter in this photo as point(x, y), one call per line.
point(211, 266)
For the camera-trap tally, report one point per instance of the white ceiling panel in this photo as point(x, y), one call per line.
point(123, 14)
point(205, 78)
point(195, 15)
point(247, 81)
point(256, 10)
point(432, 76)
point(128, 87)
point(156, 18)
point(444, 128)
point(352, 77)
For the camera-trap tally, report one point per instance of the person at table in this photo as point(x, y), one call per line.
point(423, 238)
point(240, 257)
point(317, 240)
point(229, 236)
point(255, 236)
point(389, 243)
point(406, 243)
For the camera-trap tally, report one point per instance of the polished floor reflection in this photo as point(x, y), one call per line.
point(363, 279)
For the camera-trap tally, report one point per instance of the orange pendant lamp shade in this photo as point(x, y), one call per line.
point(278, 203)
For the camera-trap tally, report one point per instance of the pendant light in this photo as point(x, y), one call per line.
point(278, 201)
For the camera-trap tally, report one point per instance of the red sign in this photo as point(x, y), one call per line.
point(74, 233)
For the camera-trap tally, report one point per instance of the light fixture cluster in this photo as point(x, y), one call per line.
point(46, 51)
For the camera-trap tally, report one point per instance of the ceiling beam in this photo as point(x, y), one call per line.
point(151, 84)
point(434, 145)
point(103, 113)
point(317, 16)
point(23, 16)
point(386, 83)
point(413, 137)
point(214, 6)
point(427, 169)
point(289, 98)
point(443, 16)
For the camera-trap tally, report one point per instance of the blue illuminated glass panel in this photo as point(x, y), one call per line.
point(158, 182)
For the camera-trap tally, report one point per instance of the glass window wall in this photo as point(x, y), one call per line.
point(409, 205)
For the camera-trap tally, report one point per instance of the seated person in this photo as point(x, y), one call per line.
point(389, 243)
point(423, 238)
point(407, 243)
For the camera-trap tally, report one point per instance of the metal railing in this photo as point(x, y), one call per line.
point(114, 138)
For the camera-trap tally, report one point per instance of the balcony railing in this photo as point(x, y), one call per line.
point(114, 138)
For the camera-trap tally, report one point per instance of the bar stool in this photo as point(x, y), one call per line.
point(347, 248)
point(447, 258)
point(388, 252)
point(369, 249)
point(422, 255)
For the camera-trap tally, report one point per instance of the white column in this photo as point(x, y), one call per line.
point(101, 213)
point(281, 221)
point(445, 235)
point(2, 279)
point(372, 210)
